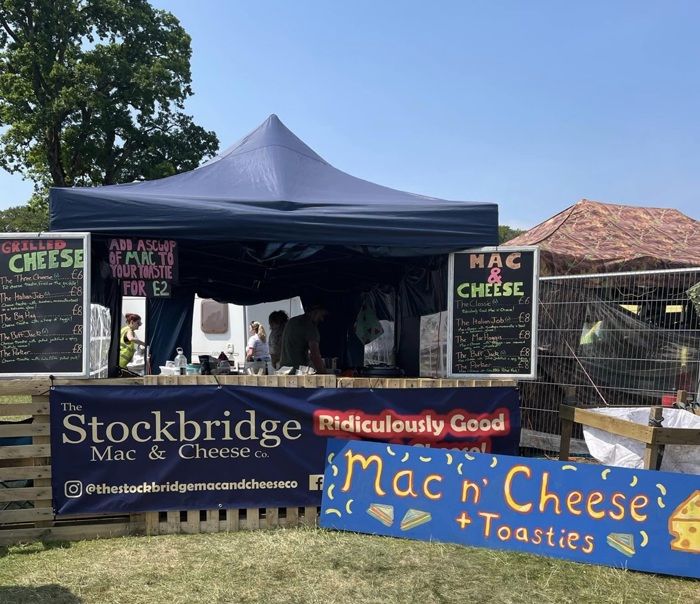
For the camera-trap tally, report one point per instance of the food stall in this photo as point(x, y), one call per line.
point(265, 220)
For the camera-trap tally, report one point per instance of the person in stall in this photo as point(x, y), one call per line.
point(301, 340)
point(277, 321)
point(128, 341)
point(258, 348)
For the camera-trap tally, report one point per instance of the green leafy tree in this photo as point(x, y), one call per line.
point(505, 233)
point(24, 219)
point(92, 93)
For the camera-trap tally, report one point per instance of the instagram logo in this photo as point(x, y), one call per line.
point(73, 489)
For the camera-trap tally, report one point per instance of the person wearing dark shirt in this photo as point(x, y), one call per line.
point(301, 341)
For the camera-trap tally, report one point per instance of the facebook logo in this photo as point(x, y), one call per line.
point(315, 482)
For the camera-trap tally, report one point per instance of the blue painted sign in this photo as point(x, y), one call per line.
point(132, 449)
point(637, 519)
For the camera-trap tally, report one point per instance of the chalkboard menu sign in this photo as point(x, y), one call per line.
point(144, 267)
point(44, 304)
point(492, 313)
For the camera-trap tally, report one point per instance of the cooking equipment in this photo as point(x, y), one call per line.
point(381, 370)
point(206, 363)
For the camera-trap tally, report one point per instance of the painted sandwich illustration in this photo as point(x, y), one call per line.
point(622, 542)
point(684, 525)
point(413, 518)
point(383, 513)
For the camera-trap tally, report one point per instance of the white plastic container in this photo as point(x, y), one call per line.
point(254, 367)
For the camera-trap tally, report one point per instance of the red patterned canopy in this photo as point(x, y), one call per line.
point(591, 237)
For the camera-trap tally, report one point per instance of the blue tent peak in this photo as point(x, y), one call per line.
point(271, 133)
point(272, 187)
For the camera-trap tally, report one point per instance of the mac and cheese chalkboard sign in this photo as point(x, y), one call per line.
point(492, 313)
point(44, 304)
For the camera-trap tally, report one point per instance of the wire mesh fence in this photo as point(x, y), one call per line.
point(622, 339)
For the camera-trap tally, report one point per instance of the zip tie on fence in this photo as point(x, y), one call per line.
point(51, 378)
point(216, 379)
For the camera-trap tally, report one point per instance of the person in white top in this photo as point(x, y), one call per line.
point(257, 349)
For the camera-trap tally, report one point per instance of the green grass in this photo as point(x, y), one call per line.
point(312, 566)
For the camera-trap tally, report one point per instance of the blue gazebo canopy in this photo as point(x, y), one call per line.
point(269, 218)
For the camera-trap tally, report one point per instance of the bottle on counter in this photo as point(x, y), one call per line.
point(180, 362)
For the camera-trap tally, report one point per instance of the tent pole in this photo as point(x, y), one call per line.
point(396, 325)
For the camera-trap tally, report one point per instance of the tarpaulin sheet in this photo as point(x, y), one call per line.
point(624, 452)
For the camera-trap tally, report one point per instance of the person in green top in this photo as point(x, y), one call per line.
point(128, 340)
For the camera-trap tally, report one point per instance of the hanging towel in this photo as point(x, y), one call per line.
point(367, 327)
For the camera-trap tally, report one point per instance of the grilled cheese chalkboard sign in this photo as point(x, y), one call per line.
point(492, 312)
point(44, 304)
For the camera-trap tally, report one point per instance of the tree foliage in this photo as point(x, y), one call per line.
point(24, 219)
point(505, 233)
point(92, 93)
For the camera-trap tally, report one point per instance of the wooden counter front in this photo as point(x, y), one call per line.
point(319, 381)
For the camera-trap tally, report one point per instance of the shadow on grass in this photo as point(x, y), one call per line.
point(32, 548)
point(56, 594)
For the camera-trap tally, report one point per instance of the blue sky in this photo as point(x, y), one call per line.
point(531, 104)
